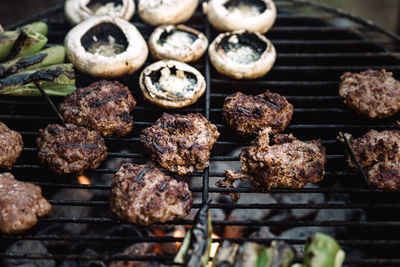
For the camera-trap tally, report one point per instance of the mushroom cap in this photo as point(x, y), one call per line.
point(225, 65)
point(184, 53)
point(224, 20)
point(78, 11)
point(149, 90)
point(126, 62)
point(156, 12)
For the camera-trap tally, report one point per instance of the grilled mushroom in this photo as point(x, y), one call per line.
point(242, 54)
point(106, 47)
point(178, 42)
point(171, 84)
point(251, 15)
point(157, 12)
point(80, 10)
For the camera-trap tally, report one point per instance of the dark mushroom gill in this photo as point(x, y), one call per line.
point(102, 32)
point(259, 4)
point(245, 39)
point(96, 3)
point(156, 75)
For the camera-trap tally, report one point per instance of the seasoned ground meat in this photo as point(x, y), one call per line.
point(71, 149)
point(372, 93)
point(20, 204)
point(144, 194)
point(104, 106)
point(288, 163)
point(247, 114)
point(379, 156)
point(180, 143)
point(10, 146)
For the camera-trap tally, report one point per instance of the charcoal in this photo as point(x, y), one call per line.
point(27, 247)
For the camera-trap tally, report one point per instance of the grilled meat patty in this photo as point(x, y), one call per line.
point(379, 155)
point(10, 146)
point(247, 114)
point(20, 204)
point(288, 163)
point(179, 143)
point(71, 149)
point(144, 194)
point(372, 93)
point(104, 106)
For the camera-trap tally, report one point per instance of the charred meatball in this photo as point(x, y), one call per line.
point(247, 114)
point(103, 106)
point(20, 204)
point(379, 155)
point(372, 93)
point(71, 148)
point(144, 194)
point(180, 143)
point(10, 146)
point(288, 163)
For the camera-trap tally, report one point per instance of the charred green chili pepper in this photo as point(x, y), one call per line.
point(8, 38)
point(49, 56)
point(197, 252)
point(27, 43)
point(322, 251)
point(226, 255)
point(57, 80)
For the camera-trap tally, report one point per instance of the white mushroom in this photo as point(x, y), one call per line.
point(171, 84)
point(80, 10)
point(251, 15)
point(158, 12)
point(106, 47)
point(242, 54)
point(178, 42)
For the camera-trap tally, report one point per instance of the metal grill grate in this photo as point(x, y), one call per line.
point(312, 54)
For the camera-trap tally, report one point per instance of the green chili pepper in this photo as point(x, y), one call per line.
point(27, 43)
point(323, 251)
point(46, 57)
point(226, 255)
point(58, 80)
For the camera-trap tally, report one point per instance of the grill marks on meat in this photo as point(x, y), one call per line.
point(372, 93)
point(71, 149)
point(20, 204)
point(144, 194)
point(247, 114)
point(104, 106)
point(288, 163)
point(180, 144)
point(379, 155)
point(10, 146)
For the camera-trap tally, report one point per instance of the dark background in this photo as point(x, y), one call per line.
point(384, 12)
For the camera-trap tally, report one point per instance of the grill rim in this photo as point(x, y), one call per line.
point(206, 174)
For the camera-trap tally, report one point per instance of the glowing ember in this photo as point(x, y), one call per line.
point(82, 179)
point(214, 248)
point(177, 234)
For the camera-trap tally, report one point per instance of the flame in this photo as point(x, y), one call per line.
point(214, 248)
point(82, 179)
point(177, 234)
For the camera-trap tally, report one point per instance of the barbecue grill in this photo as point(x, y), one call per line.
point(315, 44)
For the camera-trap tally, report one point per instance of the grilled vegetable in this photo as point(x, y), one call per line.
point(8, 38)
point(248, 255)
point(226, 255)
point(197, 253)
point(322, 251)
point(27, 43)
point(46, 57)
point(58, 80)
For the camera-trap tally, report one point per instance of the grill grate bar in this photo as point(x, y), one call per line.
point(276, 206)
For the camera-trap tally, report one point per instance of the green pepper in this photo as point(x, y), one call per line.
point(27, 43)
point(197, 254)
point(8, 38)
point(323, 251)
point(50, 56)
point(57, 80)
